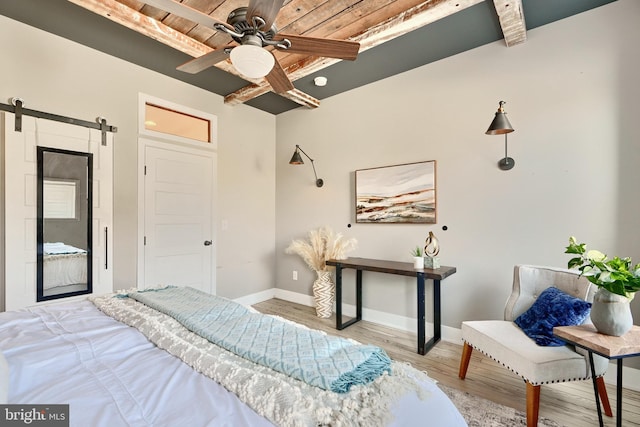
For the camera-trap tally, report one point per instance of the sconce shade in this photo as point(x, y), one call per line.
point(252, 61)
point(296, 159)
point(500, 124)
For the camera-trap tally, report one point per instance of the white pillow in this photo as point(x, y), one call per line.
point(4, 379)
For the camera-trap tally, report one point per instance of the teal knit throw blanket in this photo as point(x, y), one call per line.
point(325, 361)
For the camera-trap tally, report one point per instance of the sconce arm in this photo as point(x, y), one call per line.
point(319, 181)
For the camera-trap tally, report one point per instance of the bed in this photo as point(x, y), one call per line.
point(63, 265)
point(113, 374)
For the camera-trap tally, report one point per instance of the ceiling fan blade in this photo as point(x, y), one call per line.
point(186, 12)
point(207, 60)
point(329, 48)
point(278, 79)
point(265, 9)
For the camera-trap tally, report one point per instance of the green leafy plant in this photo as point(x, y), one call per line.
point(615, 275)
point(417, 251)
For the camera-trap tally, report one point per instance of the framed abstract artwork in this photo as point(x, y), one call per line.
point(397, 194)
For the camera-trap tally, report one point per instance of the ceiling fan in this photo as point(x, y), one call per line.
point(252, 29)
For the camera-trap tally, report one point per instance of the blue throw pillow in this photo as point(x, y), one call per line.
point(552, 308)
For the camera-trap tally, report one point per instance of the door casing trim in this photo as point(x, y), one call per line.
point(147, 139)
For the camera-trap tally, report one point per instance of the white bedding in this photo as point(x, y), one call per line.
point(63, 265)
point(111, 375)
point(58, 248)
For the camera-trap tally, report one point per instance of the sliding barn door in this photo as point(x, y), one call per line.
point(20, 187)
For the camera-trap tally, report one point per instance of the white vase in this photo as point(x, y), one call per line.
point(324, 293)
point(418, 262)
point(611, 313)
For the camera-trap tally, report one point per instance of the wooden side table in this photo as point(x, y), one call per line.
point(618, 348)
point(401, 269)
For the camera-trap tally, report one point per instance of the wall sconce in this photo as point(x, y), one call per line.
point(296, 159)
point(501, 126)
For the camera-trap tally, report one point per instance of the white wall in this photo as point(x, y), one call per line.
point(55, 75)
point(572, 96)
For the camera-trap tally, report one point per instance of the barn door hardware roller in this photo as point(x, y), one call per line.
point(17, 108)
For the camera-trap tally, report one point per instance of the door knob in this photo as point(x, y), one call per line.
point(208, 242)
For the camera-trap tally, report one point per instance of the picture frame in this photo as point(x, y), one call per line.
point(404, 193)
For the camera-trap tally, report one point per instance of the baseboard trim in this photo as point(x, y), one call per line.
point(631, 376)
point(251, 299)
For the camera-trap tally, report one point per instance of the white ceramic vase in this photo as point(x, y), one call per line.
point(611, 313)
point(418, 262)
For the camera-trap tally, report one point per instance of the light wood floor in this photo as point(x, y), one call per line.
point(571, 404)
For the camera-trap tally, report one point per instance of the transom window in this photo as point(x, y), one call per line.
point(165, 120)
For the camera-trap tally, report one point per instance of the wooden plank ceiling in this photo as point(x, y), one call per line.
point(369, 22)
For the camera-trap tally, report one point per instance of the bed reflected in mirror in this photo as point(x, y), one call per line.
point(64, 238)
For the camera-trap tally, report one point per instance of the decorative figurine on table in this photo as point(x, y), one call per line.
point(431, 249)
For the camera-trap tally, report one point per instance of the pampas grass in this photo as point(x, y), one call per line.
point(322, 244)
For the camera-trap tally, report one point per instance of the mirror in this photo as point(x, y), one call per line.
point(65, 197)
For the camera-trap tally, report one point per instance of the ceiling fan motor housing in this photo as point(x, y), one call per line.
point(238, 20)
point(250, 39)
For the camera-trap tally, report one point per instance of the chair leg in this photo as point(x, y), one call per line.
point(533, 404)
point(464, 360)
point(604, 397)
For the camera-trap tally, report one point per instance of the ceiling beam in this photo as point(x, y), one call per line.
point(423, 14)
point(512, 21)
point(132, 19)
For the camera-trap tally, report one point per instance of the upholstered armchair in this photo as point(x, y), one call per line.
point(505, 341)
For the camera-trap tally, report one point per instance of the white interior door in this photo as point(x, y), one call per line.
point(179, 245)
point(21, 208)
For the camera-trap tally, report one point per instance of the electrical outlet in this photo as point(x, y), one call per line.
point(295, 275)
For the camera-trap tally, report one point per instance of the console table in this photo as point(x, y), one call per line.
point(587, 337)
point(401, 269)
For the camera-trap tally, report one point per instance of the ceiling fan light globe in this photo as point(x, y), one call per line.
point(252, 61)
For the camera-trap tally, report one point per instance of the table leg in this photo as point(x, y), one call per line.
point(437, 319)
point(619, 395)
point(359, 294)
point(338, 297)
point(421, 315)
point(423, 345)
point(595, 389)
point(339, 323)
